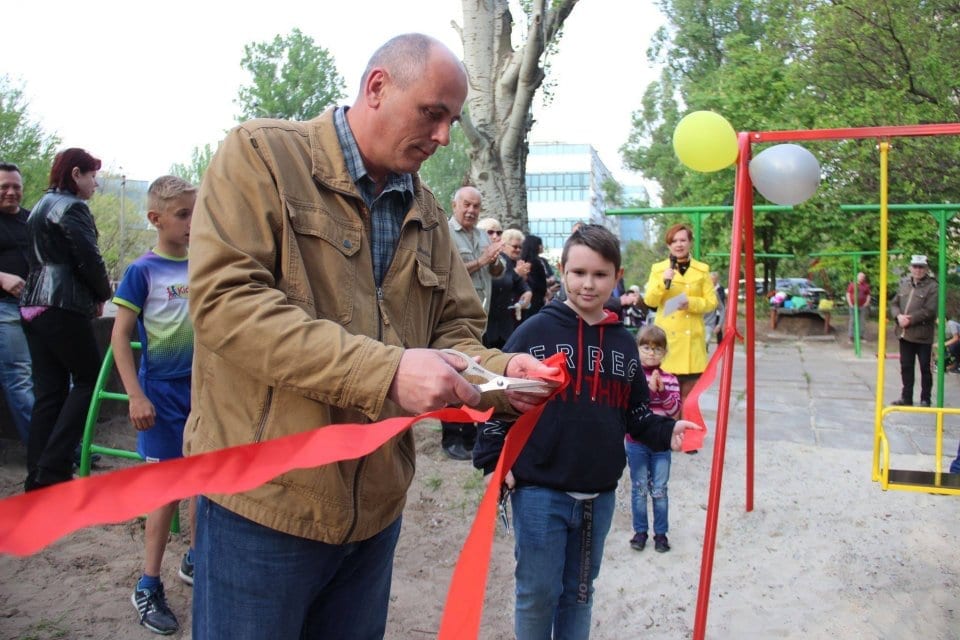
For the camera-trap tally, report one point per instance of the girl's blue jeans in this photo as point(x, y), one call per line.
point(649, 474)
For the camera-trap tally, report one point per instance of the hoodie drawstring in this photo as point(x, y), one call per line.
point(596, 369)
point(595, 385)
point(579, 353)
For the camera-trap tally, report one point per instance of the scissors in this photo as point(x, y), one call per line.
point(496, 382)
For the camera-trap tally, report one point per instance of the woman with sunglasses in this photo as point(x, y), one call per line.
point(510, 291)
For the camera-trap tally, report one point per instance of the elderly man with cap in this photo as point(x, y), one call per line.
point(915, 310)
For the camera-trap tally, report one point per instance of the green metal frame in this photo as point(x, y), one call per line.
point(87, 448)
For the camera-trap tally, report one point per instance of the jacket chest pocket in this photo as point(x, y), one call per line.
point(319, 264)
point(422, 300)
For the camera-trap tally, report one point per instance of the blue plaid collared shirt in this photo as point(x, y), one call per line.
point(387, 208)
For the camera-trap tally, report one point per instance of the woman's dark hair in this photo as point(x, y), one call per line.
point(530, 248)
point(61, 173)
point(598, 238)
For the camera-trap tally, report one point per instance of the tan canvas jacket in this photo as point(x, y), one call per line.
point(292, 333)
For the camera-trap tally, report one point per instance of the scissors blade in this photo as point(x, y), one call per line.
point(502, 383)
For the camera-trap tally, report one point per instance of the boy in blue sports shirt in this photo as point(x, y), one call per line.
point(564, 480)
point(153, 296)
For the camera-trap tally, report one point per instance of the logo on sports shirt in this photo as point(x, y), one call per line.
point(175, 291)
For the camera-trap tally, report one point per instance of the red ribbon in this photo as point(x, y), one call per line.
point(464, 606)
point(33, 520)
point(693, 439)
point(36, 519)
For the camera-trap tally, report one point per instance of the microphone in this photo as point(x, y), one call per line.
point(673, 265)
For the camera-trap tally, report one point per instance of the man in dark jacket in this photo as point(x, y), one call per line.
point(15, 376)
point(915, 310)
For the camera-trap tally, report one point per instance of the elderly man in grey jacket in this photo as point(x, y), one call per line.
point(915, 310)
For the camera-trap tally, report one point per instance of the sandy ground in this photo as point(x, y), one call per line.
point(825, 554)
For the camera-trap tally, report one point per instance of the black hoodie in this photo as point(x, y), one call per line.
point(577, 445)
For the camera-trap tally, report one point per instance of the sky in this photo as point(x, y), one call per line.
point(141, 84)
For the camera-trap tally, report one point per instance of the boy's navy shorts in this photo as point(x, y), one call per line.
point(171, 401)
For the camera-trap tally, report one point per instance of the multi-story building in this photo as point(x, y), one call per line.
point(565, 184)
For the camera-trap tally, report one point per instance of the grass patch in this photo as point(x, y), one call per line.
point(46, 630)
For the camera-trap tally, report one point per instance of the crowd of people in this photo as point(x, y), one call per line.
point(323, 285)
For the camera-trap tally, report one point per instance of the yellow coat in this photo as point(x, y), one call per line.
point(686, 343)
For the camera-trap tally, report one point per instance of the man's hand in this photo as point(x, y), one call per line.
point(142, 413)
point(11, 283)
point(523, 365)
point(903, 320)
point(427, 380)
point(491, 253)
point(629, 299)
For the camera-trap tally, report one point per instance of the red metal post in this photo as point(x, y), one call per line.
point(742, 198)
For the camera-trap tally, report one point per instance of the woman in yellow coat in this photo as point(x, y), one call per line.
point(686, 346)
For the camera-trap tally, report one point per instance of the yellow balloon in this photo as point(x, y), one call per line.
point(704, 141)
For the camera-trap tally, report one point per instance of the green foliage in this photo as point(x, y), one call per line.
point(293, 79)
point(637, 260)
point(448, 169)
point(120, 247)
point(24, 143)
point(193, 171)
point(805, 64)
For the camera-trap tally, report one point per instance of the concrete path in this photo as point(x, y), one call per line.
point(814, 390)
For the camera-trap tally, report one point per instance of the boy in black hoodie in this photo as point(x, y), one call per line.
point(564, 480)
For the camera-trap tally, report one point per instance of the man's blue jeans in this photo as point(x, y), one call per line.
point(558, 558)
point(15, 369)
point(649, 474)
point(252, 582)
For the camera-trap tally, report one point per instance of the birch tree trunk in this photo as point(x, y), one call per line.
point(503, 83)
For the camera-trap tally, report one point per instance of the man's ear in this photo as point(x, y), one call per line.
point(375, 85)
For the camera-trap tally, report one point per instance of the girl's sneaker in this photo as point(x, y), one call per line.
point(660, 543)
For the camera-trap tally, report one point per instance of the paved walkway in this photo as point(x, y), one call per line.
point(814, 390)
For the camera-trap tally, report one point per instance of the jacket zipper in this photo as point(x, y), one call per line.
point(356, 500)
point(382, 320)
point(258, 434)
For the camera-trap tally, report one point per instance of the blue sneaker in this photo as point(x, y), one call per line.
point(186, 570)
point(155, 614)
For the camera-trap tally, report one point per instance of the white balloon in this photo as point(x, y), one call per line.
point(785, 174)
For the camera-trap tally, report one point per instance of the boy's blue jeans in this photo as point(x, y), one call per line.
point(252, 582)
point(15, 369)
point(557, 561)
point(649, 473)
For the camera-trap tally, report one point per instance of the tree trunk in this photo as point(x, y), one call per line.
point(503, 82)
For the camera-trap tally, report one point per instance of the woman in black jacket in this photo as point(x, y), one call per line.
point(65, 290)
point(537, 279)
